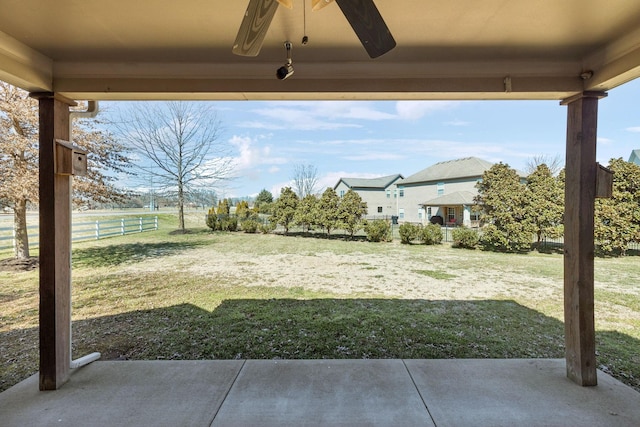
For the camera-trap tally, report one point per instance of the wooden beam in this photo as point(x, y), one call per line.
point(580, 192)
point(23, 66)
point(55, 246)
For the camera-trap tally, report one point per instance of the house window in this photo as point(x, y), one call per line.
point(401, 213)
point(402, 192)
point(420, 212)
point(395, 194)
point(451, 214)
point(475, 216)
point(341, 194)
point(388, 194)
point(379, 209)
point(440, 188)
point(429, 212)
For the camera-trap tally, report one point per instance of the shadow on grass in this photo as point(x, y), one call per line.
point(336, 328)
point(549, 248)
point(112, 255)
point(325, 329)
point(558, 248)
point(324, 235)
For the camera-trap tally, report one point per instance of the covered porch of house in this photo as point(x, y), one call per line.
point(453, 210)
point(568, 51)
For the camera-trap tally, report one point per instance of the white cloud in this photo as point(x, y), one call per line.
point(374, 156)
point(274, 169)
point(277, 188)
point(358, 110)
point(457, 123)
point(335, 115)
point(299, 116)
point(603, 140)
point(634, 129)
point(414, 110)
point(260, 125)
point(252, 155)
point(317, 115)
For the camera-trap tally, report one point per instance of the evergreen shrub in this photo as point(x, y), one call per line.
point(408, 233)
point(466, 238)
point(249, 226)
point(378, 230)
point(267, 227)
point(227, 223)
point(432, 234)
point(212, 219)
point(495, 240)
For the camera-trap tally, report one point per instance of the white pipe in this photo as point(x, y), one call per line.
point(84, 360)
point(90, 112)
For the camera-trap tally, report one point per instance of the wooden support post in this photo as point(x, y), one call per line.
point(580, 192)
point(55, 245)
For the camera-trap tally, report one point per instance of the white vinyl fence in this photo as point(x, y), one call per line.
point(89, 230)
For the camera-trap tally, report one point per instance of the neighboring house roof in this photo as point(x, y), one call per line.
point(451, 169)
point(635, 157)
point(380, 183)
point(457, 198)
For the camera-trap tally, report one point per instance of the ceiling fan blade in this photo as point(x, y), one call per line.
point(286, 3)
point(368, 25)
point(319, 4)
point(254, 26)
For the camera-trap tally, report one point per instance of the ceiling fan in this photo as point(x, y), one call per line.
point(363, 16)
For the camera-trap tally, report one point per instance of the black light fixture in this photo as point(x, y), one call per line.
point(287, 69)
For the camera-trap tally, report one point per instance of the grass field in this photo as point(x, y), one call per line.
point(163, 295)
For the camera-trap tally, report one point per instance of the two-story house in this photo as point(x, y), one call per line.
point(442, 193)
point(380, 194)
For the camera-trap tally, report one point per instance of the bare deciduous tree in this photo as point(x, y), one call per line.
point(554, 163)
point(305, 180)
point(181, 141)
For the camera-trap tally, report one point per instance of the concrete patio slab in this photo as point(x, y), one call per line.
point(323, 393)
point(132, 393)
point(512, 392)
point(221, 393)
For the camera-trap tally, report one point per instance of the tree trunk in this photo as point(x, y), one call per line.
point(21, 249)
point(181, 206)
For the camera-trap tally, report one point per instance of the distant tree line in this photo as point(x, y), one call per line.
point(327, 212)
point(517, 213)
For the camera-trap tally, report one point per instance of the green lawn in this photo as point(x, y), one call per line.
point(146, 296)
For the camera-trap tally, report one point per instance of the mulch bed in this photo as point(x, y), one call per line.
point(14, 264)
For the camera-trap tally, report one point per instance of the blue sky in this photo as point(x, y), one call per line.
point(376, 138)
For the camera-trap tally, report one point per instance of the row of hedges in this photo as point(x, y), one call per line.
point(378, 230)
point(252, 224)
point(431, 234)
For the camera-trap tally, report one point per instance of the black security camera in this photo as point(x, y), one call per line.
point(287, 69)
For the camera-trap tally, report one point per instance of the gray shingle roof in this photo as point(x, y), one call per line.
point(381, 182)
point(453, 199)
point(451, 169)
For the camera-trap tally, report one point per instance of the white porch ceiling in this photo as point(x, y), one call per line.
point(455, 49)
